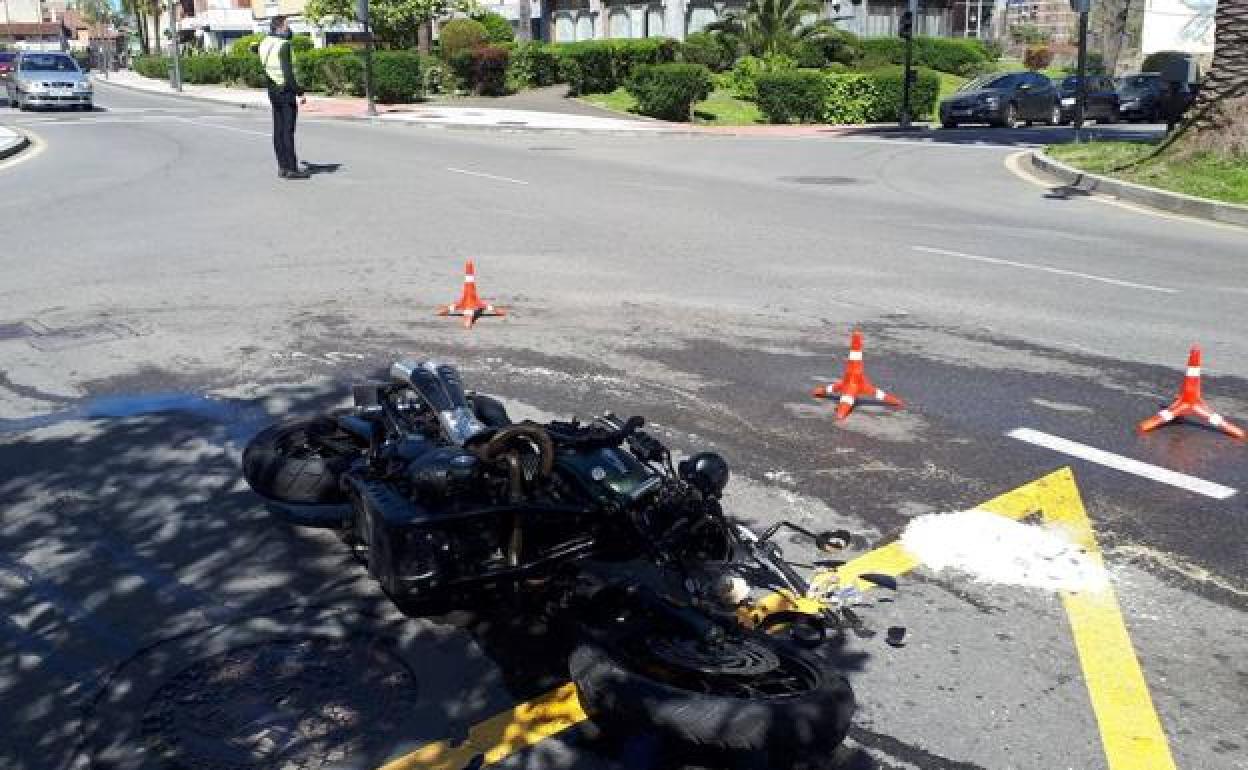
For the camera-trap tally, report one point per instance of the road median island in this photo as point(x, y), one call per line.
point(1200, 187)
point(12, 142)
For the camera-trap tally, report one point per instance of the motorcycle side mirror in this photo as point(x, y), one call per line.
point(834, 541)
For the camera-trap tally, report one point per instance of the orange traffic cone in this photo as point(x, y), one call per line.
point(469, 305)
point(855, 385)
point(1190, 403)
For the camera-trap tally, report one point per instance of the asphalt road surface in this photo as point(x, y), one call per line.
point(165, 295)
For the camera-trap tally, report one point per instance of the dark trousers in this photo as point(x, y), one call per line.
point(285, 110)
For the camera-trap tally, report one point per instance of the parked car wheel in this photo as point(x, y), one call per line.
point(948, 124)
point(1009, 119)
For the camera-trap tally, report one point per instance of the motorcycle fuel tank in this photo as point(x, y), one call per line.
point(610, 474)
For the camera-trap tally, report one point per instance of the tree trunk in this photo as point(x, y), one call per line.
point(524, 27)
point(140, 21)
point(1218, 122)
point(548, 17)
point(424, 37)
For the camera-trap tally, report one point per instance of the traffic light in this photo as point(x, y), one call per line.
point(907, 24)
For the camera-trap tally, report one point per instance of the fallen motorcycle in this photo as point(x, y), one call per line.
point(442, 494)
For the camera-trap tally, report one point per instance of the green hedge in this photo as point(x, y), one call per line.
point(809, 96)
point(708, 49)
point(482, 70)
point(888, 84)
point(601, 66)
point(533, 65)
point(396, 76)
point(246, 70)
point(793, 96)
point(204, 68)
point(669, 91)
point(953, 55)
point(151, 66)
point(242, 46)
point(333, 70)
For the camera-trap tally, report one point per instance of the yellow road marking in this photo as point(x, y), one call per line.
point(1131, 732)
point(502, 735)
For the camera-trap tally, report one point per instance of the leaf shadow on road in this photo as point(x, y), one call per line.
point(157, 615)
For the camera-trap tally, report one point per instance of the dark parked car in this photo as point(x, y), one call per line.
point(1102, 104)
point(1003, 99)
point(1145, 96)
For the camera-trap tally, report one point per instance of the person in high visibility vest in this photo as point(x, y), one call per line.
point(285, 96)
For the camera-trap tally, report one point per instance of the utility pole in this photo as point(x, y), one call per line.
point(175, 71)
point(1081, 93)
point(362, 13)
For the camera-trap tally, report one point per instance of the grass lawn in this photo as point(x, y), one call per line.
point(948, 84)
point(1205, 176)
point(721, 109)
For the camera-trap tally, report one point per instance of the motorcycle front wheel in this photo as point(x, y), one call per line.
point(296, 466)
point(749, 693)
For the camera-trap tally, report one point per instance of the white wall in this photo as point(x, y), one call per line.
point(22, 10)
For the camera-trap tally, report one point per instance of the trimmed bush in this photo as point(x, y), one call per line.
point(1037, 57)
point(151, 66)
point(707, 49)
point(396, 76)
point(601, 66)
point(835, 48)
point(321, 69)
point(497, 28)
point(993, 49)
point(203, 68)
point(482, 71)
point(850, 99)
point(669, 91)
point(461, 35)
point(587, 67)
point(247, 70)
point(952, 55)
point(794, 96)
point(888, 85)
point(533, 65)
point(242, 46)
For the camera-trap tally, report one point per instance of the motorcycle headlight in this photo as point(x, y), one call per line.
point(707, 471)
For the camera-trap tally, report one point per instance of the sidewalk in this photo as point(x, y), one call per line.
point(426, 114)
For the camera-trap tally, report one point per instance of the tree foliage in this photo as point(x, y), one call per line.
point(396, 22)
point(770, 27)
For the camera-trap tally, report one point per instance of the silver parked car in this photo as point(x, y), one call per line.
point(48, 79)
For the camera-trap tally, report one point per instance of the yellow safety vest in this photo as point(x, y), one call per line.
point(271, 58)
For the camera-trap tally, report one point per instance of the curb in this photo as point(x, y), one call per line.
point(1175, 203)
point(19, 143)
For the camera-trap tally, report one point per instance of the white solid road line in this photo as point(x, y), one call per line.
point(1124, 464)
point(485, 176)
point(1047, 269)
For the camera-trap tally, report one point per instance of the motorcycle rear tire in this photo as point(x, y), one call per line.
point(285, 465)
point(783, 728)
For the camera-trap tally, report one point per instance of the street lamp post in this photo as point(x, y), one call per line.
point(1081, 91)
point(175, 71)
point(362, 13)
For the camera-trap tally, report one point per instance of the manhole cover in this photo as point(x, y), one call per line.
point(283, 704)
point(824, 180)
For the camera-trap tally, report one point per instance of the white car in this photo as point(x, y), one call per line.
point(48, 79)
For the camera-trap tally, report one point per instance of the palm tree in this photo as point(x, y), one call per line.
point(1218, 122)
point(769, 27)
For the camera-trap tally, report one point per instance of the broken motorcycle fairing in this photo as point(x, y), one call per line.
point(441, 493)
